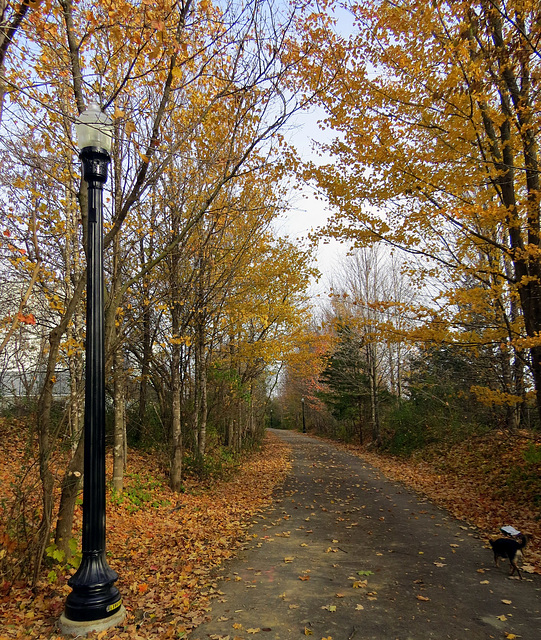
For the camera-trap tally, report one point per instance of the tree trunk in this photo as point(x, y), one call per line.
point(229, 432)
point(204, 413)
point(147, 352)
point(361, 435)
point(119, 447)
point(374, 409)
point(176, 423)
point(200, 399)
point(71, 485)
point(45, 439)
point(176, 416)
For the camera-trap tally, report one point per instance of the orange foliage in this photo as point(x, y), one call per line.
point(164, 554)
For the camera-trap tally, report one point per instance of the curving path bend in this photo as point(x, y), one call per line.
point(344, 553)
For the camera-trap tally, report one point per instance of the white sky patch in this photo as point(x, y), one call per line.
point(309, 212)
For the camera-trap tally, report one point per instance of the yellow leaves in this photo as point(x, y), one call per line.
point(130, 127)
point(185, 340)
point(527, 342)
point(155, 52)
point(158, 25)
point(55, 303)
point(72, 346)
point(360, 584)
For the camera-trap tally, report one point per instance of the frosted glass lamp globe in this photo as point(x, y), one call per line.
point(94, 128)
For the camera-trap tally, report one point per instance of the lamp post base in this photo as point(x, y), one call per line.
point(94, 595)
point(79, 629)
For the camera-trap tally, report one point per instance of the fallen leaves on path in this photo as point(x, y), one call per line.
point(471, 480)
point(165, 554)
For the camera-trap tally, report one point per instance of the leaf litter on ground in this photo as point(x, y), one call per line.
point(477, 480)
point(166, 554)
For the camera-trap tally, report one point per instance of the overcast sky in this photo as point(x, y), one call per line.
point(307, 213)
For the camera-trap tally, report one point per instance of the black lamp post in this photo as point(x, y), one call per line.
point(95, 602)
point(303, 419)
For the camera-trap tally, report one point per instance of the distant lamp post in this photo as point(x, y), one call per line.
point(95, 603)
point(303, 418)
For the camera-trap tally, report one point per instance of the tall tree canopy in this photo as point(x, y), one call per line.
point(195, 278)
point(436, 106)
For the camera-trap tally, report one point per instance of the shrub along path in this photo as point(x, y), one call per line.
point(346, 554)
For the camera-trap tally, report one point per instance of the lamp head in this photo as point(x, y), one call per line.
point(94, 128)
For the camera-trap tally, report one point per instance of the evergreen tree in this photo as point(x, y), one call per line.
point(347, 393)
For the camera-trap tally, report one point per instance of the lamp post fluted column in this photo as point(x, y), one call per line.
point(94, 602)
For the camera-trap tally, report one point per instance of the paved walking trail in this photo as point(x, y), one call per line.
point(346, 554)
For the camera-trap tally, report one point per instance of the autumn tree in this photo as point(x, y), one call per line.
point(436, 112)
point(12, 17)
point(300, 377)
point(195, 83)
point(261, 323)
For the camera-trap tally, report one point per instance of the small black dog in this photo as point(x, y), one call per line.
point(509, 548)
